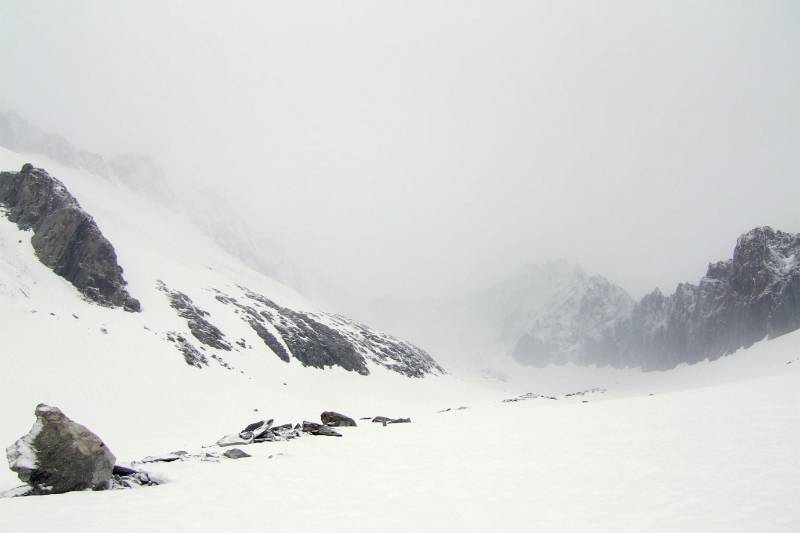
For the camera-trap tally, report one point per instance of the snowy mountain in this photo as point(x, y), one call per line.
point(579, 324)
point(206, 352)
point(67, 239)
point(740, 301)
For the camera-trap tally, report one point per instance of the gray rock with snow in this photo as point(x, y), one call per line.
point(319, 429)
point(334, 419)
point(59, 455)
point(236, 453)
point(65, 237)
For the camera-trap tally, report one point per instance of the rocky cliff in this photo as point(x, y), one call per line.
point(65, 237)
point(752, 296)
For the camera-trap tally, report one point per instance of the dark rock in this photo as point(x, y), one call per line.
point(740, 301)
point(191, 355)
point(236, 453)
point(65, 238)
point(400, 421)
point(136, 479)
point(255, 427)
point(59, 455)
point(319, 429)
point(120, 470)
point(201, 328)
point(333, 419)
point(283, 427)
point(267, 435)
point(322, 340)
point(381, 419)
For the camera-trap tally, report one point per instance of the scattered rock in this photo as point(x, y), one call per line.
point(334, 419)
point(203, 330)
point(255, 427)
point(59, 455)
point(319, 429)
point(528, 396)
point(236, 453)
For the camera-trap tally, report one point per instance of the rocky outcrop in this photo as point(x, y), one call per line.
point(753, 296)
point(324, 340)
point(196, 319)
point(59, 455)
point(65, 237)
point(334, 419)
point(740, 301)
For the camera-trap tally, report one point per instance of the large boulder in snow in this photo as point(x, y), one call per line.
point(59, 455)
point(334, 419)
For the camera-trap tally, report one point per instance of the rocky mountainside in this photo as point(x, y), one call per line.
point(740, 301)
point(211, 319)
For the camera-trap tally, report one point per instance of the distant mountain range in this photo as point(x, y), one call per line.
point(589, 321)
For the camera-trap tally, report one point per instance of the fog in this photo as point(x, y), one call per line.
point(415, 151)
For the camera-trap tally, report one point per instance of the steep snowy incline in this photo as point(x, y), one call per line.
point(205, 347)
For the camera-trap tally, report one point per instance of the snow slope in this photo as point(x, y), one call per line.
point(721, 457)
point(713, 448)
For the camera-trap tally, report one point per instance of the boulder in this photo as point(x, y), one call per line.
point(257, 427)
point(236, 453)
point(59, 455)
point(334, 419)
point(319, 429)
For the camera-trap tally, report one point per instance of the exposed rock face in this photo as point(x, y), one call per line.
point(65, 237)
point(334, 419)
point(754, 295)
point(59, 455)
point(323, 340)
point(201, 328)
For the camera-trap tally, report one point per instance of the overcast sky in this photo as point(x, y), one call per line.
point(430, 147)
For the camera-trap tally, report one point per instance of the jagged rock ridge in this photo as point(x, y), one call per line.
point(740, 301)
point(65, 237)
point(323, 340)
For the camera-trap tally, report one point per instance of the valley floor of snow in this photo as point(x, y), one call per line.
point(708, 447)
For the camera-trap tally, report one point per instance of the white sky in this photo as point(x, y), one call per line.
point(408, 148)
